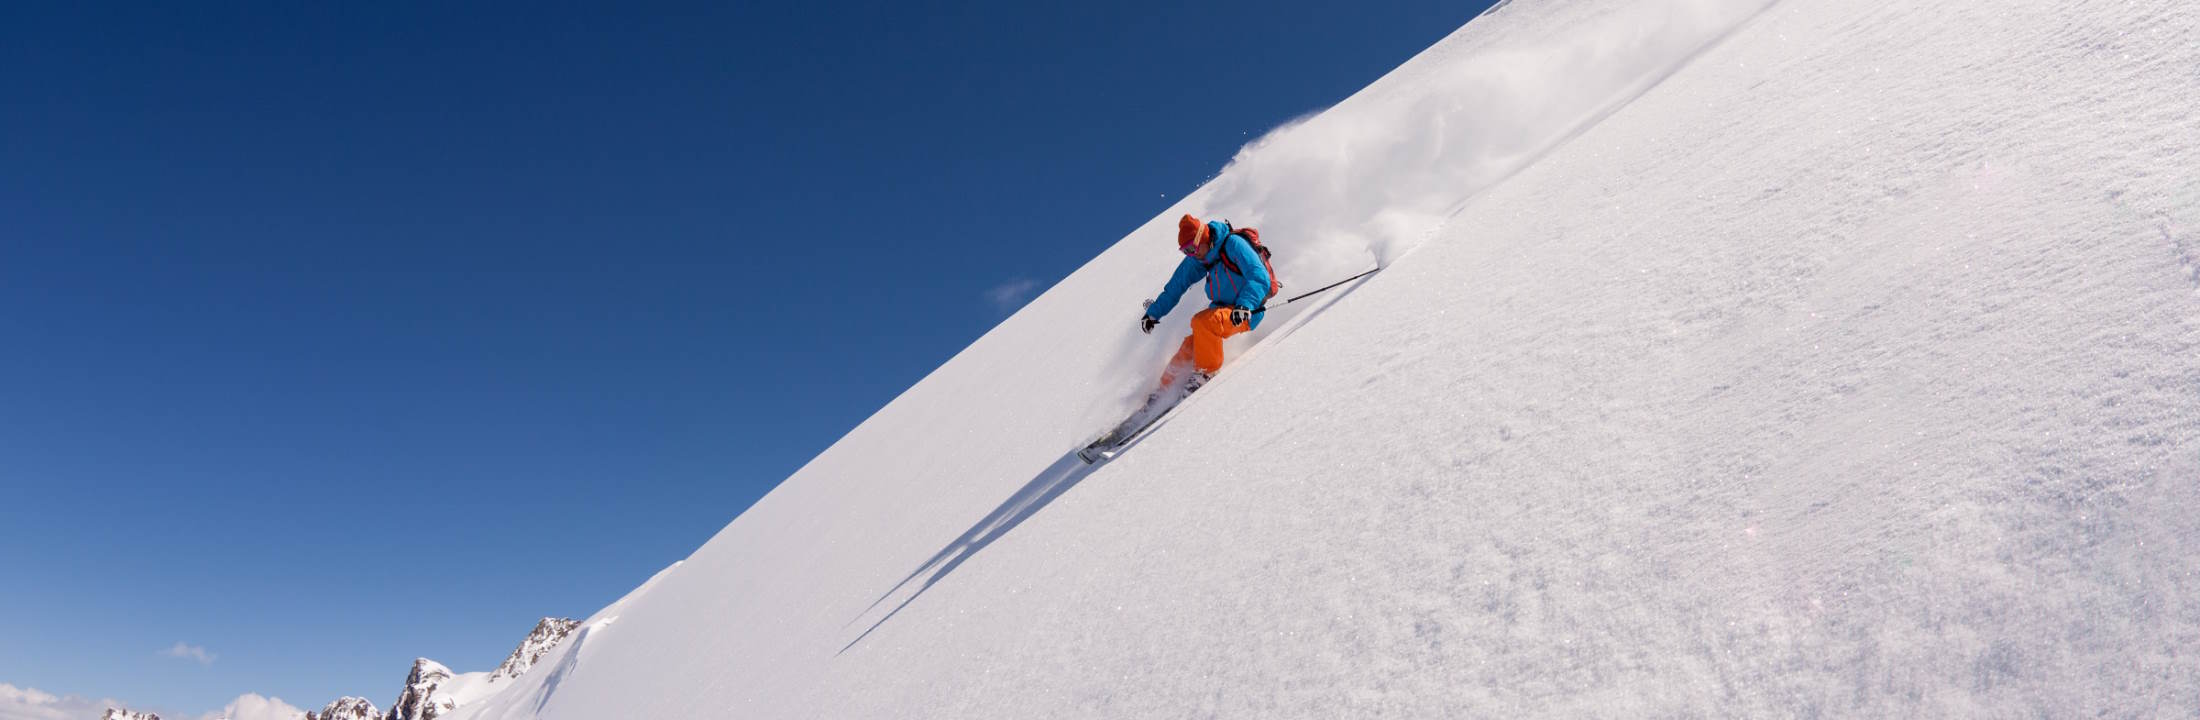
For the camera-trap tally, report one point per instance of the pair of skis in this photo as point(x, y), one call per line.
point(1134, 427)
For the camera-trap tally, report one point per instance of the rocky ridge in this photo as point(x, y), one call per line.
point(427, 691)
point(348, 708)
point(427, 694)
point(546, 635)
point(419, 700)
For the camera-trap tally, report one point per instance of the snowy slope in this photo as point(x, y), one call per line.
point(1754, 359)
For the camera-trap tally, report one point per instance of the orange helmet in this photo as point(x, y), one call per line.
point(1192, 236)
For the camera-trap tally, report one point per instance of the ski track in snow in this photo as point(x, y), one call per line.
point(1845, 366)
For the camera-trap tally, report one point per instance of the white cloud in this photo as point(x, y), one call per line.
point(190, 652)
point(1009, 296)
point(30, 704)
point(251, 706)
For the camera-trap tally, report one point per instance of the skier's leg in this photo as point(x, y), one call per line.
point(1187, 365)
point(1178, 366)
point(1178, 363)
point(1209, 328)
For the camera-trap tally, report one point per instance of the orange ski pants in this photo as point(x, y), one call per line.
point(1203, 348)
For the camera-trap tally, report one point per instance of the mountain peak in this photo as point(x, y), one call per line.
point(546, 635)
point(347, 708)
point(419, 700)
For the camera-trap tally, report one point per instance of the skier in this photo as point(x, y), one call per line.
point(1239, 283)
point(1238, 286)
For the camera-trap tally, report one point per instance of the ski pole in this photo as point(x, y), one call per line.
point(1324, 288)
point(1307, 294)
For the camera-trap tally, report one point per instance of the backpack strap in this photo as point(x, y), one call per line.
point(1222, 250)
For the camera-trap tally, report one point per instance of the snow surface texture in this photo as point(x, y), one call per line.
point(1815, 358)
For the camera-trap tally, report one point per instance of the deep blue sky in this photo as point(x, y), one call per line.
point(336, 334)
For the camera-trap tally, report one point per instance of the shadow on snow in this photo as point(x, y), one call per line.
point(1058, 478)
point(1035, 495)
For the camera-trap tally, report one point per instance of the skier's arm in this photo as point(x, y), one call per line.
point(1255, 290)
point(1187, 272)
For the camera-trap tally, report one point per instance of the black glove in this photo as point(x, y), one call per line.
point(1145, 324)
point(1238, 315)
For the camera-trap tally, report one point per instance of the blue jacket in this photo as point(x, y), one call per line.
point(1224, 288)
